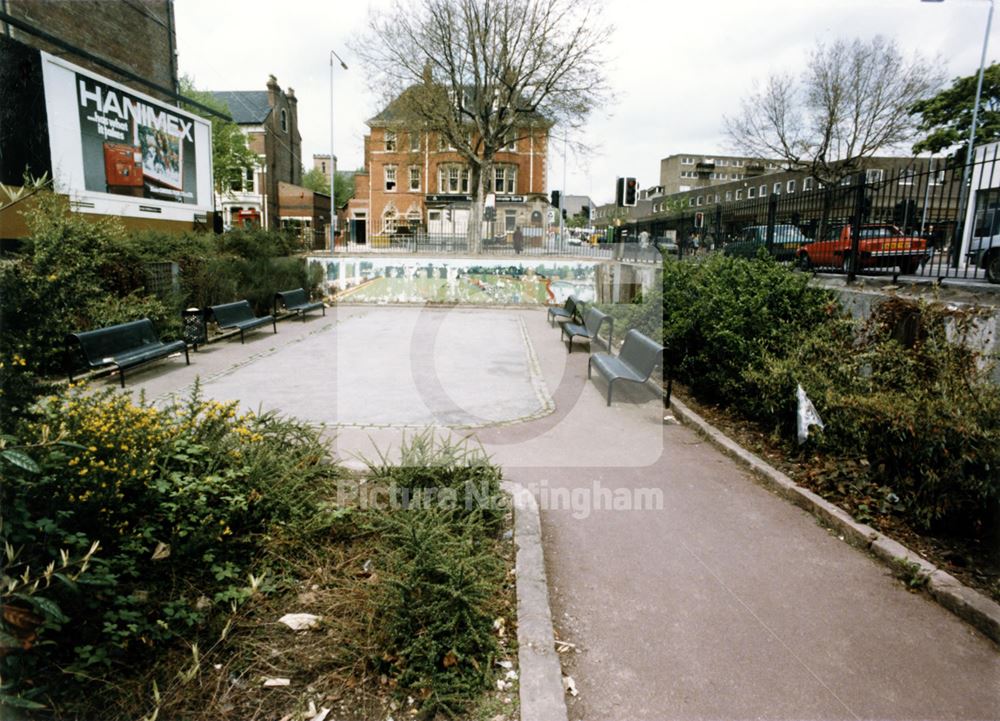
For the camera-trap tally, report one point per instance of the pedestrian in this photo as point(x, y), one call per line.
point(518, 240)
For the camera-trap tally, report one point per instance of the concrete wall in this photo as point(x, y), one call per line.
point(860, 298)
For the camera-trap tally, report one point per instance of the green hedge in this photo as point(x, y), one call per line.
point(905, 399)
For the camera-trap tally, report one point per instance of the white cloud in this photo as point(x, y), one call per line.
point(677, 66)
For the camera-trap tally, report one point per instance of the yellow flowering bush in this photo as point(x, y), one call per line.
point(180, 500)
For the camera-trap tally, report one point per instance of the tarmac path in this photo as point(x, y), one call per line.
point(715, 600)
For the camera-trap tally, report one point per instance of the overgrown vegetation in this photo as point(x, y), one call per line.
point(76, 272)
point(149, 553)
point(912, 419)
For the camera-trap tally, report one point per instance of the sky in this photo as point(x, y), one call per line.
point(676, 67)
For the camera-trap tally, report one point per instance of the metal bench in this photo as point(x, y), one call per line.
point(239, 315)
point(635, 362)
point(122, 346)
point(593, 319)
point(296, 301)
point(570, 310)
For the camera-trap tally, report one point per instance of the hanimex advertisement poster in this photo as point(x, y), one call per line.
point(113, 140)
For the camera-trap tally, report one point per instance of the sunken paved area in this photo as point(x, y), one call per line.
point(726, 603)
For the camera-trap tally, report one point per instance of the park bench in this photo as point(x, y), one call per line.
point(638, 357)
point(569, 311)
point(593, 319)
point(122, 346)
point(296, 301)
point(239, 315)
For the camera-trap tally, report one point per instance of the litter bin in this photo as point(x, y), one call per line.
point(195, 329)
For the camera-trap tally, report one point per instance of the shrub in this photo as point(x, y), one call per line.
point(181, 501)
point(438, 597)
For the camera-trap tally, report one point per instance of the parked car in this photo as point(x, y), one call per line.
point(786, 243)
point(879, 246)
point(984, 247)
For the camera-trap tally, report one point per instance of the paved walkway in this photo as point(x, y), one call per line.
point(725, 603)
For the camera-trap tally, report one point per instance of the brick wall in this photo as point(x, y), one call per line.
point(138, 35)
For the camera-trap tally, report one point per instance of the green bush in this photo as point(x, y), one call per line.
point(181, 501)
point(438, 597)
point(907, 405)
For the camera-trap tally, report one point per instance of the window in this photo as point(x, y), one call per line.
point(776, 189)
point(433, 216)
point(453, 179)
point(444, 143)
point(738, 163)
point(505, 179)
point(510, 220)
point(322, 167)
point(415, 178)
point(284, 120)
point(936, 177)
point(807, 184)
point(729, 195)
point(510, 143)
point(906, 177)
point(762, 191)
point(390, 177)
point(874, 175)
point(691, 202)
point(389, 219)
point(751, 192)
point(390, 140)
point(790, 186)
point(687, 161)
point(723, 163)
point(414, 141)
point(700, 200)
point(739, 195)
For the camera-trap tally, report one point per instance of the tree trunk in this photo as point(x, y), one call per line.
point(474, 232)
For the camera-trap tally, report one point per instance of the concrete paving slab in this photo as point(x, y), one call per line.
point(721, 600)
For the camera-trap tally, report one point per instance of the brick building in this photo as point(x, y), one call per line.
point(138, 37)
point(689, 171)
point(269, 118)
point(417, 183)
point(90, 100)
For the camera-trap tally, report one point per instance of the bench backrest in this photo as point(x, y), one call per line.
point(641, 352)
point(232, 313)
point(572, 304)
point(592, 320)
point(292, 297)
point(108, 342)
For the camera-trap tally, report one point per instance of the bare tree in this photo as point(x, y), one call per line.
point(480, 73)
point(851, 102)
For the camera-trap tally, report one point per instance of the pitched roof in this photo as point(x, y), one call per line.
point(394, 113)
point(248, 107)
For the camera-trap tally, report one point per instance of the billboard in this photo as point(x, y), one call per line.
point(116, 150)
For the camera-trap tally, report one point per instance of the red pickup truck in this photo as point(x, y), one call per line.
point(880, 246)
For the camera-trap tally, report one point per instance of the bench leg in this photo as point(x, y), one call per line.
point(274, 322)
point(121, 375)
point(242, 339)
point(187, 358)
point(611, 384)
point(589, 361)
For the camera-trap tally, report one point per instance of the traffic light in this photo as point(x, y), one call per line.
point(620, 192)
point(555, 198)
point(631, 192)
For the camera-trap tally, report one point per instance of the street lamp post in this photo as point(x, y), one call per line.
point(965, 197)
point(333, 163)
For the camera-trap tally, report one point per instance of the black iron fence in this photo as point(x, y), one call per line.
point(910, 221)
